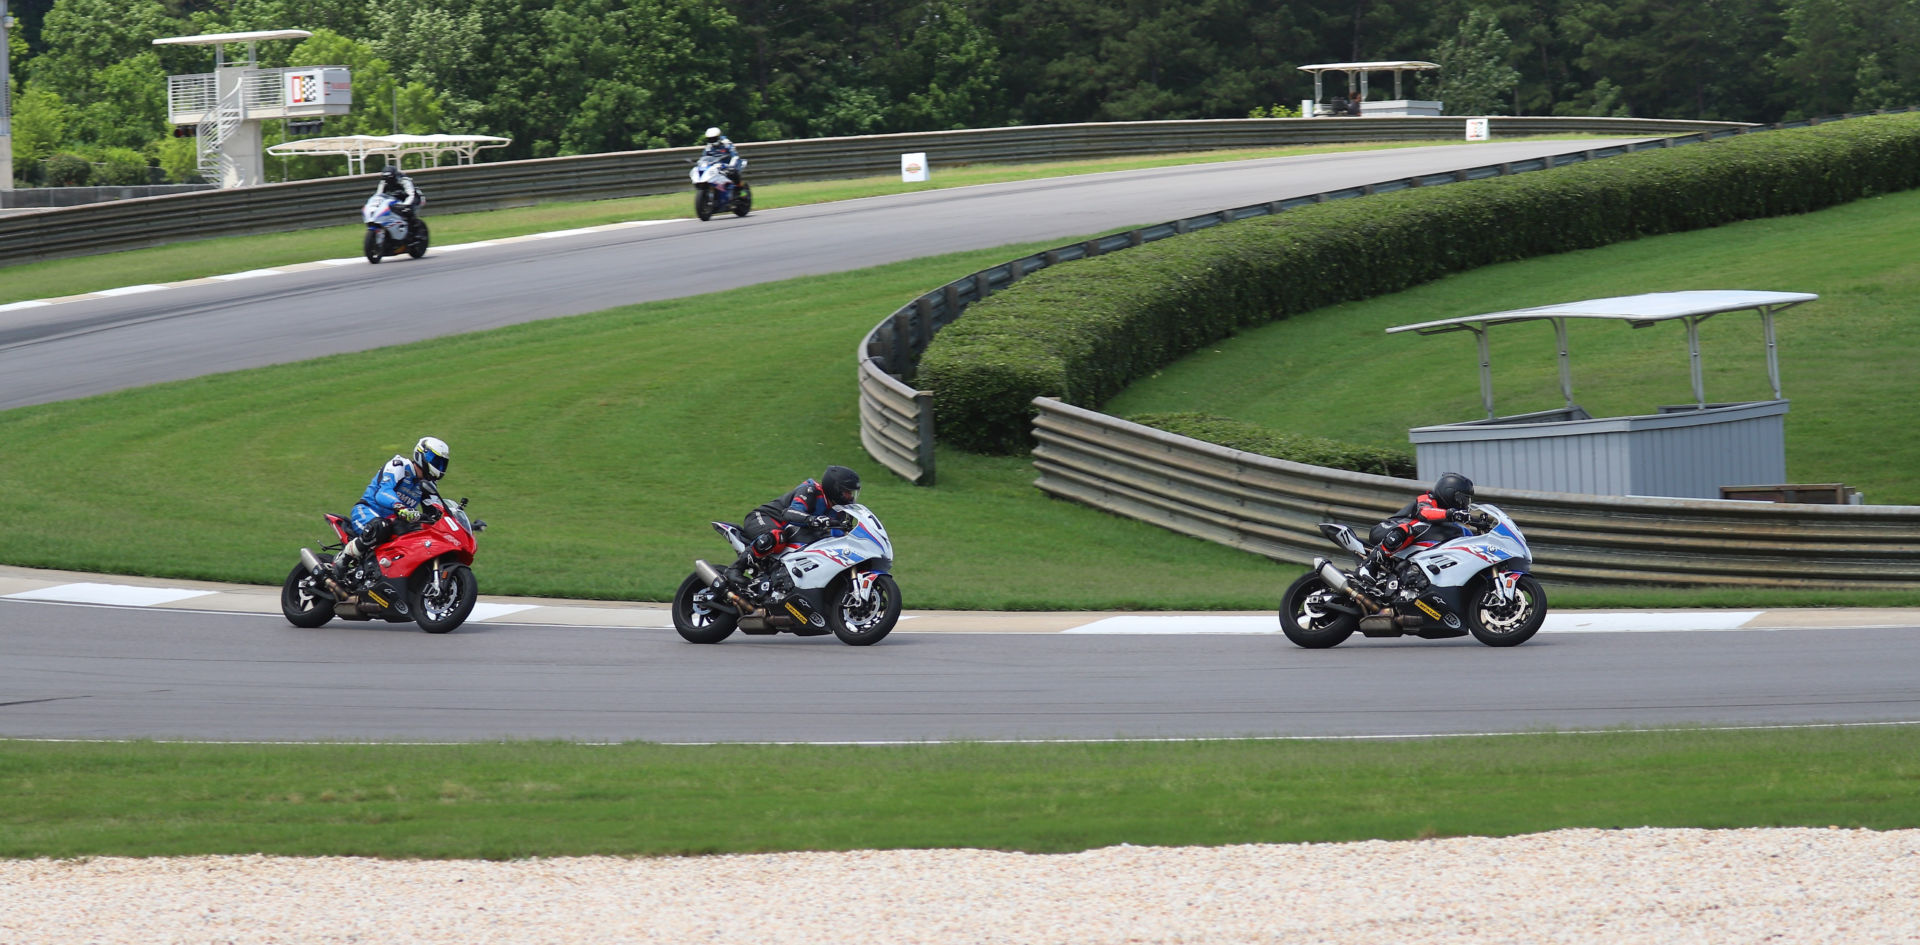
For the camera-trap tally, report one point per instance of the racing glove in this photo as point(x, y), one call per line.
point(408, 514)
point(1459, 515)
point(820, 521)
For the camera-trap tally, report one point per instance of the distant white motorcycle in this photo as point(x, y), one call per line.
point(714, 191)
point(839, 583)
point(1440, 585)
point(388, 233)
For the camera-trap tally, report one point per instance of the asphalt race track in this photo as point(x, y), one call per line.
point(76, 349)
point(82, 671)
point(109, 672)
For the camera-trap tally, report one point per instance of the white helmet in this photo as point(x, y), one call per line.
point(430, 454)
point(713, 134)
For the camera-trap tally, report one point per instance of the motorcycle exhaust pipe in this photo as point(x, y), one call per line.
point(1339, 582)
point(312, 563)
point(711, 575)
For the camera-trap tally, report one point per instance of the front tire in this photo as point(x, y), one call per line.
point(743, 200)
point(864, 623)
point(417, 247)
point(703, 204)
point(304, 605)
point(1506, 623)
point(1306, 620)
point(441, 612)
point(695, 617)
point(372, 246)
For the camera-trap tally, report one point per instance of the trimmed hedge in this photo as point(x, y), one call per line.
point(1082, 332)
point(1311, 450)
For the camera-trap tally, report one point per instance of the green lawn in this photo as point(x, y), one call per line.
point(1847, 360)
point(507, 800)
point(202, 258)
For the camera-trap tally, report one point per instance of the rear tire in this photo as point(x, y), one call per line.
point(1309, 625)
point(1511, 625)
point(372, 247)
point(858, 624)
point(696, 621)
point(703, 204)
point(743, 200)
point(301, 603)
point(448, 610)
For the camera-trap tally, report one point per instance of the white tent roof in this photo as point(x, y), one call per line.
point(1649, 308)
point(209, 39)
point(1396, 65)
point(1637, 310)
point(357, 148)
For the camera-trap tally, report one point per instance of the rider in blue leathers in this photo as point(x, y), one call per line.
point(394, 493)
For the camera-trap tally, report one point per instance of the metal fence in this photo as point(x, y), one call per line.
point(101, 228)
point(1273, 507)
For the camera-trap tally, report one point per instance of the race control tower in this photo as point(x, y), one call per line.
point(225, 107)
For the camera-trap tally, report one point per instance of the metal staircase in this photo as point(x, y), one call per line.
point(215, 166)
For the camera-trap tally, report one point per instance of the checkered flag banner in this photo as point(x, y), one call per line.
point(302, 88)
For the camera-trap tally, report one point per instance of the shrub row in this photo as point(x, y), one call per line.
point(1311, 450)
point(1083, 331)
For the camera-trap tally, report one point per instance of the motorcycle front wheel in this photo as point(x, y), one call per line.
point(1306, 620)
point(373, 248)
point(1498, 622)
point(703, 203)
point(439, 611)
point(301, 603)
point(864, 623)
point(417, 247)
point(743, 200)
point(695, 618)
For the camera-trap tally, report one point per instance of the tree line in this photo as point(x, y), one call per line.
point(585, 76)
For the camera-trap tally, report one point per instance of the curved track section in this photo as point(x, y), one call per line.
point(107, 672)
point(76, 349)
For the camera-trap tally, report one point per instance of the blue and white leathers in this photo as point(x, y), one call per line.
point(395, 486)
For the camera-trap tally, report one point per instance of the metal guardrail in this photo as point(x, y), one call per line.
point(100, 228)
point(892, 350)
point(1273, 507)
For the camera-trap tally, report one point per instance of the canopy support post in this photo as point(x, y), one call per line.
point(1693, 360)
point(1566, 372)
point(1486, 368)
point(1773, 353)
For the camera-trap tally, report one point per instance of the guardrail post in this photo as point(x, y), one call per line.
point(923, 419)
point(982, 285)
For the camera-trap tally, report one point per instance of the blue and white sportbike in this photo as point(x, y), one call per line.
point(1449, 581)
point(833, 580)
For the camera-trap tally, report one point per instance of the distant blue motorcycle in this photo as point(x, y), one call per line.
point(715, 191)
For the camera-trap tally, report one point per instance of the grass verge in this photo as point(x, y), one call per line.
point(1845, 359)
point(201, 258)
point(508, 800)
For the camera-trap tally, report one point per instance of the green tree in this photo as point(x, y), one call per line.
point(129, 105)
point(80, 38)
point(624, 75)
point(40, 119)
point(1475, 78)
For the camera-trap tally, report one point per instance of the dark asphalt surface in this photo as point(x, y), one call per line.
point(104, 672)
point(76, 349)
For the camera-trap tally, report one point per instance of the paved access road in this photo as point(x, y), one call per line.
point(79, 671)
point(75, 349)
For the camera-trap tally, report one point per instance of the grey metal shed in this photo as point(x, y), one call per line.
point(1685, 451)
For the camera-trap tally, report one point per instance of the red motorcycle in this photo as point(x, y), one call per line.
point(422, 574)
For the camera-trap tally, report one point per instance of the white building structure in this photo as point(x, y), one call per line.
point(225, 107)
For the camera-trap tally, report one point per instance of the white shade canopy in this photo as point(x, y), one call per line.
point(357, 148)
point(1642, 310)
point(213, 39)
point(1394, 65)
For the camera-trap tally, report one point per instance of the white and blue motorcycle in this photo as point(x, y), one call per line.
point(387, 231)
point(1442, 584)
point(839, 583)
point(718, 188)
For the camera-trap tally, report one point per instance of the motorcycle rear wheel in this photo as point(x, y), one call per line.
point(743, 200)
point(859, 623)
point(1509, 625)
point(1328, 628)
point(372, 247)
point(448, 609)
point(300, 602)
point(697, 622)
point(703, 204)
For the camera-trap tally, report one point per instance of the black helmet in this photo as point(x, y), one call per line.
point(1453, 491)
point(840, 485)
point(390, 174)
